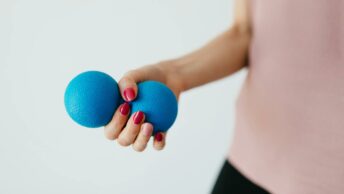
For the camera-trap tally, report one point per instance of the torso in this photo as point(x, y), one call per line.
point(289, 135)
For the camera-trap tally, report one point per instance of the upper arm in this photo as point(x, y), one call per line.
point(242, 17)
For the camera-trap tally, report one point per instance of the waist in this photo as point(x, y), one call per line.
point(289, 135)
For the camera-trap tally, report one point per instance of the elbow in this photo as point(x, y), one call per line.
point(240, 31)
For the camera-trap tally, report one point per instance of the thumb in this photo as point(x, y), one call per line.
point(128, 84)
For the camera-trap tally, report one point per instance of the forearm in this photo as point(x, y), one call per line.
point(221, 57)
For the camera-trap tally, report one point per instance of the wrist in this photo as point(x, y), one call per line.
point(171, 72)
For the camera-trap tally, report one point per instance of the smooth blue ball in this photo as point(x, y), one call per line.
point(92, 98)
point(158, 103)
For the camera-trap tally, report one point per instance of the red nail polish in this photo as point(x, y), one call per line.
point(159, 137)
point(129, 94)
point(138, 116)
point(124, 108)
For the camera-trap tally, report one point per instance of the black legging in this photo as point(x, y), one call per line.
point(231, 181)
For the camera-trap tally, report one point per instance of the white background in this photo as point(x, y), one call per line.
point(43, 44)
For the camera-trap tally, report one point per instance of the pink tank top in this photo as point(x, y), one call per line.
point(289, 133)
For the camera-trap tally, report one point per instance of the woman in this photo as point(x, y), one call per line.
point(289, 126)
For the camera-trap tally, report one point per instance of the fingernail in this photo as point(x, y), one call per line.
point(159, 137)
point(146, 130)
point(124, 108)
point(138, 116)
point(129, 94)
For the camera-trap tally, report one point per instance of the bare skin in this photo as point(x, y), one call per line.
point(221, 57)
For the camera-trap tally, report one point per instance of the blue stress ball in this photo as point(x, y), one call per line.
point(158, 103)
point(92, 98)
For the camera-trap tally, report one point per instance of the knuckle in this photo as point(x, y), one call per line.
point(124, 82)
point(124, 79)
point(109, 132)
point(134, 131)
point(127, 77)
point(117, 127)
point(131, 73)
point(109, 136)
point(123, 141)
point(139, 147)
point(118, 121)
point(112, 133)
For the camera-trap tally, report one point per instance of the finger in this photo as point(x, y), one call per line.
point(114, 128)
point(128, 88)
point(143, 137)
point(159, 141)
point(132, 129)
point(127, 84)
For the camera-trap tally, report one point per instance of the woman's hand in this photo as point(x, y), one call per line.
point(221, 57)
point(134, 130)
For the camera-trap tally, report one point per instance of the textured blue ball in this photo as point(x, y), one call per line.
point(92, 98)
point(158, 103)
